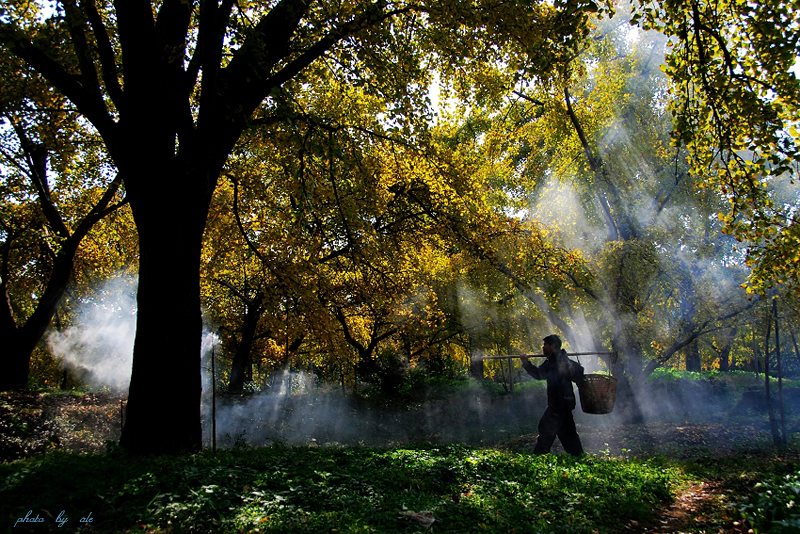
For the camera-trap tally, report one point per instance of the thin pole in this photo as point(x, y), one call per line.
point(213, 402)
point(773, 423)
point(510, 376)
point(780, 372)
point(510, 356)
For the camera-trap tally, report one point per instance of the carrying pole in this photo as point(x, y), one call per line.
point(213, 402)
point(511, 356)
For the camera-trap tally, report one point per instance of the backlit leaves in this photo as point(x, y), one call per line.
point(732, 72)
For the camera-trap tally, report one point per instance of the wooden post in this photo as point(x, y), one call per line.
point(510, 376)
point(773, 423)
point(213, 402)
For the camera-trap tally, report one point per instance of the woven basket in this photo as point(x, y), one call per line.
point(598, 393)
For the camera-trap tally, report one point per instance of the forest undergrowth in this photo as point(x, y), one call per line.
point(718, 475)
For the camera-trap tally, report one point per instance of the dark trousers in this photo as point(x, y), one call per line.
point(560, 424)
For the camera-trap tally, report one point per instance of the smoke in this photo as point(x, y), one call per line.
point(583, 340)
point(297, 410)
point(98, 346)
point(291, 411)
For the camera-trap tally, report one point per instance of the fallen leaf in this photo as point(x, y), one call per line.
point(425, 519)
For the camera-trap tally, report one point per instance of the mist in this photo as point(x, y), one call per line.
point(558, 206)
point(98, 346)
point(295, 408)
point(298, 410)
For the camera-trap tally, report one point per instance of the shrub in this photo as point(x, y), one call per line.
point(775, 506)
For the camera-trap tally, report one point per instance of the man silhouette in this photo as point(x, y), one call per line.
point(560, 372)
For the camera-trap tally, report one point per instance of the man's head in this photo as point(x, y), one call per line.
point(552, 344)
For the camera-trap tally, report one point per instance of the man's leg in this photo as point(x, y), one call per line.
point(568, 435)
point(548, 428)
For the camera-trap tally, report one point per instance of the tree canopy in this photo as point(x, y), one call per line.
point(733, 74)
point(359, 186)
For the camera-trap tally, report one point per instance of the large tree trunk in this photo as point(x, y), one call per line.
point(627, 404)
point(163, 411)
point(628, 370)
point(16, 358)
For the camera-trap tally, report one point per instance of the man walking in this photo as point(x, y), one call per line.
point(560, 372)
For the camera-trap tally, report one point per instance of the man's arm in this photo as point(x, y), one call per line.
point(539, 373)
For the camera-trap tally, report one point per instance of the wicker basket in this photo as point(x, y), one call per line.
point(598, 393)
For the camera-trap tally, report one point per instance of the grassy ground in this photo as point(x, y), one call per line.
point(302, 489)
point(680, 475)
point(422, 489)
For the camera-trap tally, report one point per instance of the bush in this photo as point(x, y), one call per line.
point(775, 506)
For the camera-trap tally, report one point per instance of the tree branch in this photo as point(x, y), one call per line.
point(36, 156)
point(695, 332)
point(240, 225)
point(210, 40)
point(529, 99)
point(348, 336)
point(108, 62)
point(76, 25)
point(100, 209)
point(69, 85)
point(372, 16)
point(244, 84)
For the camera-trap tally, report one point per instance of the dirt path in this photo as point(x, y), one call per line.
point(700, 507)
point(703, 506)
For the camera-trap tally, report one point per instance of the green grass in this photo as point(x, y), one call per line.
point(735, 378)
point(282, 489)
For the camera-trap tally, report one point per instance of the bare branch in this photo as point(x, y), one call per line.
point(240, 225)
point(69, 85)
point(108, 62)
point(99, 210)
point(36, 156)
point(77, 31)
point(529, 99)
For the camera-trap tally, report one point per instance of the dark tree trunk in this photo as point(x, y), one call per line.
point(693, 361)
point(628, 369)
point(476, 368)
point(19, 341)
point(16, 358)
point(725, 358)
point(627, 404)
point(163, 411)
point(725, 351)
point(242, 365)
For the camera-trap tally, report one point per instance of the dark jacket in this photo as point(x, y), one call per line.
point(560, 372)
